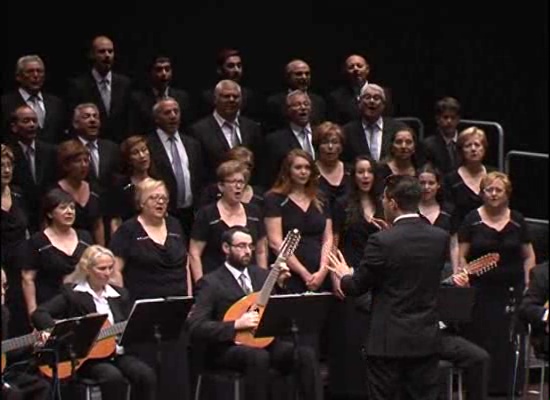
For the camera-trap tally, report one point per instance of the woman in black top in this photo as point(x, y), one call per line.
point(52, 254)
point(355, 218)
point(150, 248)
point(136, 166)
point(14, 223)
point(211, 221)
point(73, 160)
point(293, 203)
point(461, 187)
point(252, 194)
point(334, 178)
point(90, 287)
point(494, 227)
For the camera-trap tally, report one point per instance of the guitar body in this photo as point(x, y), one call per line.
point(246, 338)
point(101, 349)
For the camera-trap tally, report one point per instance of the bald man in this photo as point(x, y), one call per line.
point(109, 91)
point(298, 77)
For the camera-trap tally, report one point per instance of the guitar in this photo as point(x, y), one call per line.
point(18, 343)
point(104, 346)
point(257, 301)
point(478, 267)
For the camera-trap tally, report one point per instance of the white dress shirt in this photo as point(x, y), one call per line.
point(375, 146)
point(30, 102)
point(306, 146)
point(227, 131)
point(237, 275)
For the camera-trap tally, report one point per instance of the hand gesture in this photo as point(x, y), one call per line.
point(337, 264)
point(379, 223)
point(248, 320)
point(461, 279)
point(336, 288)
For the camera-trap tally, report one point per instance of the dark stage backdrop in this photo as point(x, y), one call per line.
point(492, 57)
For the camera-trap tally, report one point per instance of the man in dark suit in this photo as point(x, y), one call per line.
point(34, 161)
point(109, 91)
point(298, 77)
point(160, 75)
point(104, 155)
point(30, 74)
point(371, 133)
point(230, 66)
point(216, 292)
point(402, 267)
point(225, 128)
point(534, 308)
point(296, 135)
point(440, 147)
point(178, 161)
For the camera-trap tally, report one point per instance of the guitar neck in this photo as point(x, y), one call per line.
point(19, 342)
point(268, 285)
point(112, 330)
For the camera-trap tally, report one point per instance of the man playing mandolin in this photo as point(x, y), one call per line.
point(216, 293)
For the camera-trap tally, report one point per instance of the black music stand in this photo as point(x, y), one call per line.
point(455, 304)
point(293, 315)
point(155, 321)
point(70, 339)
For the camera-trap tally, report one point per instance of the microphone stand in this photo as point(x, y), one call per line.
point(514, 339)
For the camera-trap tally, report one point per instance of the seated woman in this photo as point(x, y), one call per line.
point(52, 254)
point(205, 246)
point(90, 293)
point(251, 194)
point(136, 166)
point(73, 159)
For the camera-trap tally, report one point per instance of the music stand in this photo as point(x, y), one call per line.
point(70, 339)
point(294, 314)
point(156, 320)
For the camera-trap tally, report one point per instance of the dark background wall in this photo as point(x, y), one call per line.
point(492, 56)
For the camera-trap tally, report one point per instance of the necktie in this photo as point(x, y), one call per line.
point(30, 158)
point(452, 153)
point(94, 157)
point(243, 280)
point(374, 151)
point(37, 107)
point(105, 92)
point(178, 171)
point(307, 146)
point(232, 129)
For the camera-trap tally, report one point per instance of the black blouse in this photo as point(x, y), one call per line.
point(88, 214)
point(123, 202)
point(152, 269)
point(212, 193)
point(14, 232)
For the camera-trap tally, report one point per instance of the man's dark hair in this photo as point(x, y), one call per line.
point(159, 58)
point(224, 54)
point(447, 104)
point(405, 190)
point(227, 236)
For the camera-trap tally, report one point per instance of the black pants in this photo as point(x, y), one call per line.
point(472, 359)
point(403, 378)
point(112, 376)
point(23, 386)
point(255, 364)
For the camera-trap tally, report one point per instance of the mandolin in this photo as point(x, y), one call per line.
point(257, 301)
point(479, 266)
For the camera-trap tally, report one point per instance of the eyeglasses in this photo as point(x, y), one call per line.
point(244, 246)
point(235, 182)
point(158, 198)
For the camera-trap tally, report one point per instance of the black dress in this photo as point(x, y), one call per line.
point(490, 323)
point(14, 225)
point(349, 317)
point(331, 192)
point(50, 263)
point(209, 227)
point(310, 223)
point(123, 203)
point(212, 193)
point(87, 215)
point(155, 270)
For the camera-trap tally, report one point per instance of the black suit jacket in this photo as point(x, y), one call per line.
point(436, 153)
point(165, 172)
point(532, 306)
point(216, 292)
point(276, 110)
point(403, 267)
point(55, 121)
point(45, 167)
point(252, 104)
point(214, 145)
point(356, 141)
point(141, 113)
point(70, 304)
point(277, 146)
point(115, 124)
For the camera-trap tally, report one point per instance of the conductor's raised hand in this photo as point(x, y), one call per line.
point(337, 264)
point(249, 320)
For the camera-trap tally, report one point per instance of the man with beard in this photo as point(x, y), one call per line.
point(109, 91)
point(370, 133)
point(216, 293)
